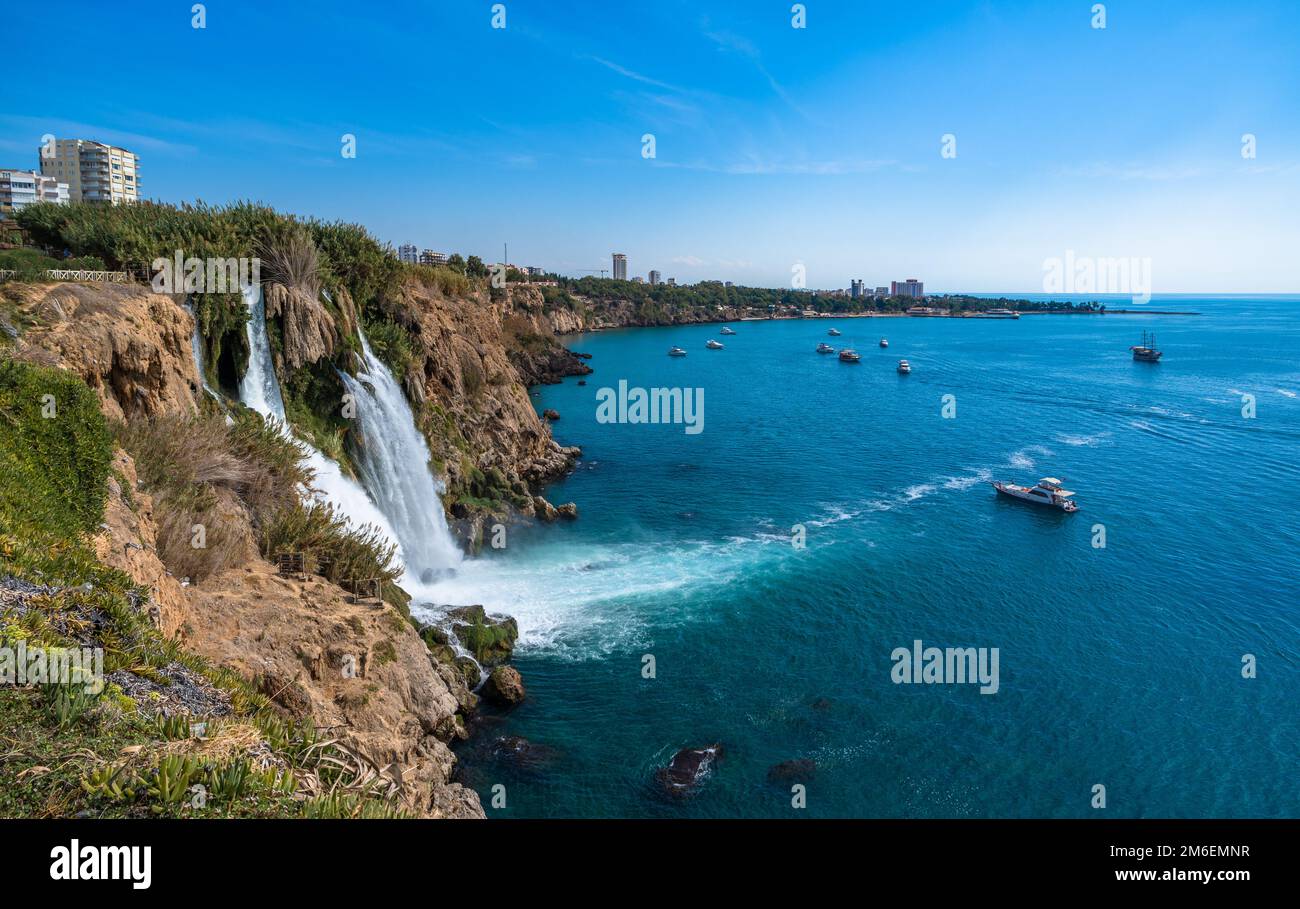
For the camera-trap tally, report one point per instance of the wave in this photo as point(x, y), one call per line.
point(1087, 441)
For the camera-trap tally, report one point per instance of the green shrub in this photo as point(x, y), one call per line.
point(55, 450)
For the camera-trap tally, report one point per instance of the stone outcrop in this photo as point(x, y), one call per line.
point(504, 687)
point(307, 329)
point(360, 671)
point(130, 345)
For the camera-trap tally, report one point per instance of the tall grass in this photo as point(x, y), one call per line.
point(241, 478)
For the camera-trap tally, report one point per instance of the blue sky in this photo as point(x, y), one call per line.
point(774, 145)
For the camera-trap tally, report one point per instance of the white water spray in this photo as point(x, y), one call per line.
point(393, 460)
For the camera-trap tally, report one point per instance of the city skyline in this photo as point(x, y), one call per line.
point(757, 163)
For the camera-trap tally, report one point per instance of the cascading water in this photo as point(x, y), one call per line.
point(259, 389)
point(393, 459)
point(196, 348)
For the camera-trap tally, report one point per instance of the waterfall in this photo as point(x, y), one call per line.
point(196, 348)
point(259, 389)
point(393, 460)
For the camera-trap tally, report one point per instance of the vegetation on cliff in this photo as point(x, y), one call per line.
point(129, 747)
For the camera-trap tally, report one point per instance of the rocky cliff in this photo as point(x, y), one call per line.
point(359, 670)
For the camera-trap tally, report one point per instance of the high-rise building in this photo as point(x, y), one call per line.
point(909, 288)
point(20, 188)
point(407, 252)
point(882, 291)
point(620, 267)
point(855, 288)
point(94, 172)
point(654, 276)
point(672, 282)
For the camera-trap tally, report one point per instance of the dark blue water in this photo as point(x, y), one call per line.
point(1119, 666)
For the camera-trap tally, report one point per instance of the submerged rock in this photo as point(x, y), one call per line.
point(504, 687)
point(688, 769)
point(799, 770)
point(522, 754)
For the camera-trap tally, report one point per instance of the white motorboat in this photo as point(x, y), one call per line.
point(823, 347)
point(676, 352)
point(713, 345)
point(884, 342)
point(997, 314)
point(726, 331)
point(834, 332)
point(904, 367)
point(1048, 491)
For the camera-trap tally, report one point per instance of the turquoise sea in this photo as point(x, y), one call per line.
point(1120, 666)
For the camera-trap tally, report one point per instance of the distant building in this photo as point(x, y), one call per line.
point(20, 188)
point(672, 282)
point(408, 253)
point(534, 271)
point(855, 288)
point(909, 288)
point(729, 284)
point(620, 267)
point(429, 257)
point(638, 280)
point(94, 172)
point(882, 291)
point(654, 277)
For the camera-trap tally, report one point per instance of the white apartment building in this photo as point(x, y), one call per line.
point(407, 252)
point(620, 266)
point(429, 257)
point(20, 188)
point(94, 172)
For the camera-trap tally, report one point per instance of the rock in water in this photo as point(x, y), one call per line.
point(568, 511)
point(551, 414)
point(490, 638)
point(688, 769)
point(504, 687)
point(544, 510)
point(800, 770)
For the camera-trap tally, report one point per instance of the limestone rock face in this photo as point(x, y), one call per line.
point(130, 345)
point(127, 541)
point(359, 670)
point(307, 329)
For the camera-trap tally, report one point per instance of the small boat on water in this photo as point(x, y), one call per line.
point(997, 314)
point(726, 331)
point(823, 347)
point(1048, 491)
point(904, 367)
point(884, 342)
point(676, 352)
point(713, 345)
point(849, 355)
point(834, 332)
point(1146, 351)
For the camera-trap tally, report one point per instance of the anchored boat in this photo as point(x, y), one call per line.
point(676, 352)
point(1146, 351)
point(726, 331)
point(904, 367)
point(834, 332)
point(849, 355)
point(1048, 491)
point(713, 345)
point(823, 347)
